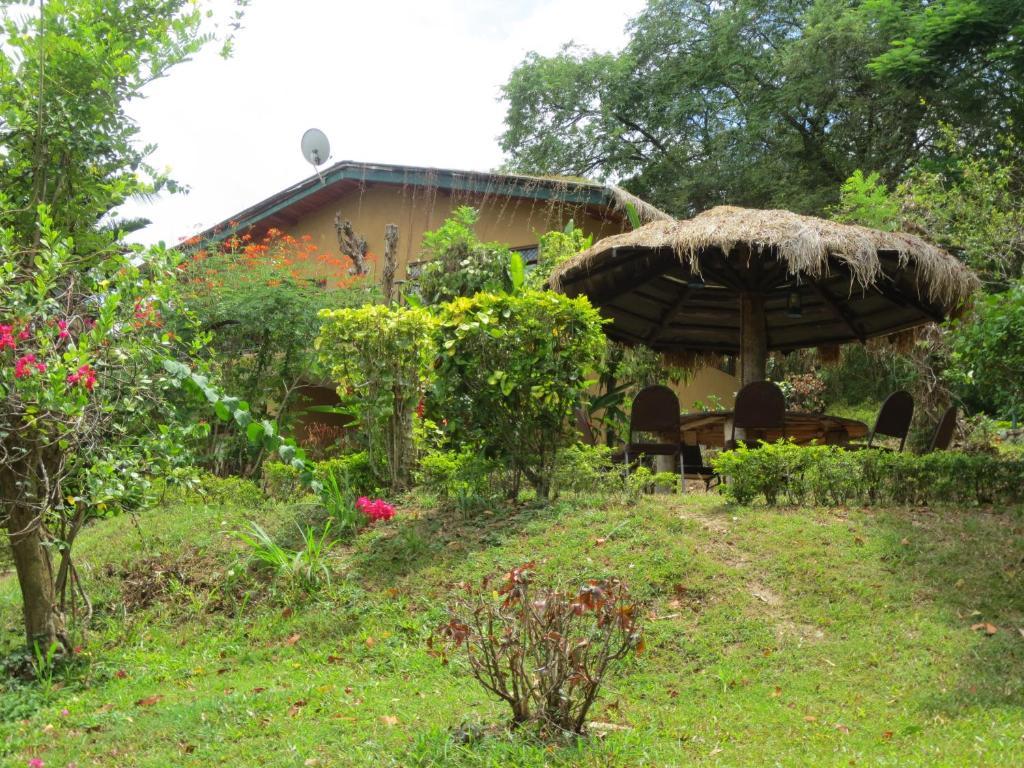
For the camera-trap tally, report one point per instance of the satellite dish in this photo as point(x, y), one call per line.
point(316, 148)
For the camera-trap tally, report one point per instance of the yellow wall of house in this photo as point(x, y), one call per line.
point(704, 383)
point(514, 221)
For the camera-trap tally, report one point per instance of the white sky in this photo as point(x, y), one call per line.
point(388, 81)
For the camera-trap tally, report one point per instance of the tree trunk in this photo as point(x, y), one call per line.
point(390, 262)
point(44, 622)
point(753, 339)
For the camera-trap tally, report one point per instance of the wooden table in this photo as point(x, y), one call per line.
point(714, 428)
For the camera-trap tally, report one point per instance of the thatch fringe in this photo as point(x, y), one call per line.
point(804, 243)
point(644, 210)
point(691, 362)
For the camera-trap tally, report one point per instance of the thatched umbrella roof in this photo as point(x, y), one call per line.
point(814, 283)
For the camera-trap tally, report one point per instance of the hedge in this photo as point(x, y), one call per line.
point(828, 475)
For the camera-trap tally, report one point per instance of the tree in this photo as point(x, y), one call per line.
point(259, 299)
point(965, 54)
point(769, 103)
point(987, 357)
point(81, 314)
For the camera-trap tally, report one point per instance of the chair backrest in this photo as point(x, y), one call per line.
point(692, 460)
point(894, 417)
point(583, 427)
point(943, 434)
point(760, 405)
point(655, 409)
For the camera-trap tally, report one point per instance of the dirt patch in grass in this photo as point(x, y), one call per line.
point(163, 578)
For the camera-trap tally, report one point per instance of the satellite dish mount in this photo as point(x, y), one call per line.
point(316, 149)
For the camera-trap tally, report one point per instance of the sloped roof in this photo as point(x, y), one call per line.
point(286, 206)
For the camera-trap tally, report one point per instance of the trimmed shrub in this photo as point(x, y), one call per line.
point(582, 468)
point(380, 357)
point(460, 479)
point(511, 369)
point(786, 473)
point(353, 471)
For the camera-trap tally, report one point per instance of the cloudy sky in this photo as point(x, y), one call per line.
point(389, 81)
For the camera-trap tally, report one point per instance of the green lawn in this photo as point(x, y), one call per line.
point(774, 637)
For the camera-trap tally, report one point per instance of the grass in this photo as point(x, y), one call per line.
point(774, 637)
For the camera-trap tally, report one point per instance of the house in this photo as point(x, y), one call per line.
point(513, 208)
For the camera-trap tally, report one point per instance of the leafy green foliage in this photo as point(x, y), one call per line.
point(380, 357)
point(304, 570)
point(511, 369)
point(866, 200)
point(828, 475)
point(84, 419)
point(966, 53)
point(757, 102)
point(987, 352)
point(465, 480)
point(259, 303)
point(555, 248)
point(460, 264)
point(586, 469)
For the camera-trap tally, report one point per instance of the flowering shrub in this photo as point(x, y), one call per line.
point(804, 392)
point(375, 510)
point(259, 299)
point(81, 398)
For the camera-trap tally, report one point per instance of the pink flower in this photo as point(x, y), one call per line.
point(6, 339)
point(85, 376)
point(36, 762)
point(25, 334)
point(378, 509)
point(62, 325)
point(24, 365)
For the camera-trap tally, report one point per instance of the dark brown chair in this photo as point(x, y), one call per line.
point(760, 408)
point(655, 410)
point(694, 469)
point(894, 418)
point(943, 435)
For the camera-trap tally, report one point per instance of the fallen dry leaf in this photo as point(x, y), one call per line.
point(887, 735)
point(293, 710)
point(370, 642)
point(599, 542)
point(120, 674)
point(287, 613)
point(332, 659)
point(776, 693)
point(293, 639)
point(810, 719)
point(149, 701)
point(990, 629)
point(389, 720)
point(841, 728)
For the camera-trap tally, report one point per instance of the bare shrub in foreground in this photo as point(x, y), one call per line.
point(544, 651)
